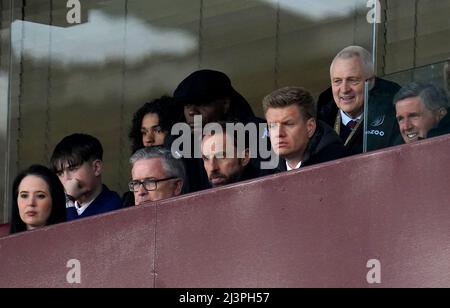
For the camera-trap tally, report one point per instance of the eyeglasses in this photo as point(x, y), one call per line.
point(149, 184)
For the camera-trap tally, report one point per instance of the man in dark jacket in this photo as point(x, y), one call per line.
point(297, 137)
point(209, 94)
point(342, 105)
point(77, 160)
point(422, 111)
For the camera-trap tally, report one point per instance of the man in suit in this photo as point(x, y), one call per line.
point(342, 105)
point(296, 136)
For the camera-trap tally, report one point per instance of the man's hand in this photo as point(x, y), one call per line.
point(73, 189)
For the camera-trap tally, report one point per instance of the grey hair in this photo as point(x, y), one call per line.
point(432, 96)
point(171, 165)
point(357, 51)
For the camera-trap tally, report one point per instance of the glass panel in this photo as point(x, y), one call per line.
point(5, 20)
point(412, 45)
point(93, 75)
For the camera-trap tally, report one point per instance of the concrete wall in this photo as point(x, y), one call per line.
point(316, 227)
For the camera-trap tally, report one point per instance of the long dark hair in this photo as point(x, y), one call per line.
point(168, 111)
point(58, 212)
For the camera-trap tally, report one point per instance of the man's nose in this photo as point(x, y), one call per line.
point(407, 125)
point(211, 164)
point(281, 131)
point(214, 164)
point(192, 110)
point(149, 137)
point(141, 190)
point(345, 86)
point(67, 176)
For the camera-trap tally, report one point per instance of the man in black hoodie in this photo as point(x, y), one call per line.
point(297, 137)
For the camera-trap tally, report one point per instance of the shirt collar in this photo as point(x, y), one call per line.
point(345, 118)
point(81, 207)
point(296, 167)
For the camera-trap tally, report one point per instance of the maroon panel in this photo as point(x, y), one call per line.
point(114, 250)
point(316, 227)
point(4, 230)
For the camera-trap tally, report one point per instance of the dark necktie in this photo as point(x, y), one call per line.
point(352, 124)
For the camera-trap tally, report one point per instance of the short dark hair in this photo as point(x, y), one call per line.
point(288, 96)
point(432, 96)
point(75, 150)
point(168, 111)
point(58, 212)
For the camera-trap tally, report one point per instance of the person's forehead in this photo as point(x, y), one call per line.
point(410, 104)
point(150, 119)
point(148, 168)
point(216, 143)
point(347, 67)
point(283, 113)
point(33, 183)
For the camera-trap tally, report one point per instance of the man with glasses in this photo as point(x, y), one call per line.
point(342, 105)
point(156, 175)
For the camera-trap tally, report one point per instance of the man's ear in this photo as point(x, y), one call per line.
point(98, 167)
point(226, 105)
point(311, 125)
point(442, 113)
point(178, 187)
point(246, 158)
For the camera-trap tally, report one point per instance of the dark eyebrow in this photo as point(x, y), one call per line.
point(26, 191)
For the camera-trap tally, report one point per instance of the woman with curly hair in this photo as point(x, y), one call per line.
point(153, 122)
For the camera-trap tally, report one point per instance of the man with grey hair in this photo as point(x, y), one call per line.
point(422, 111)
point(342, 105)
point(156, 175)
